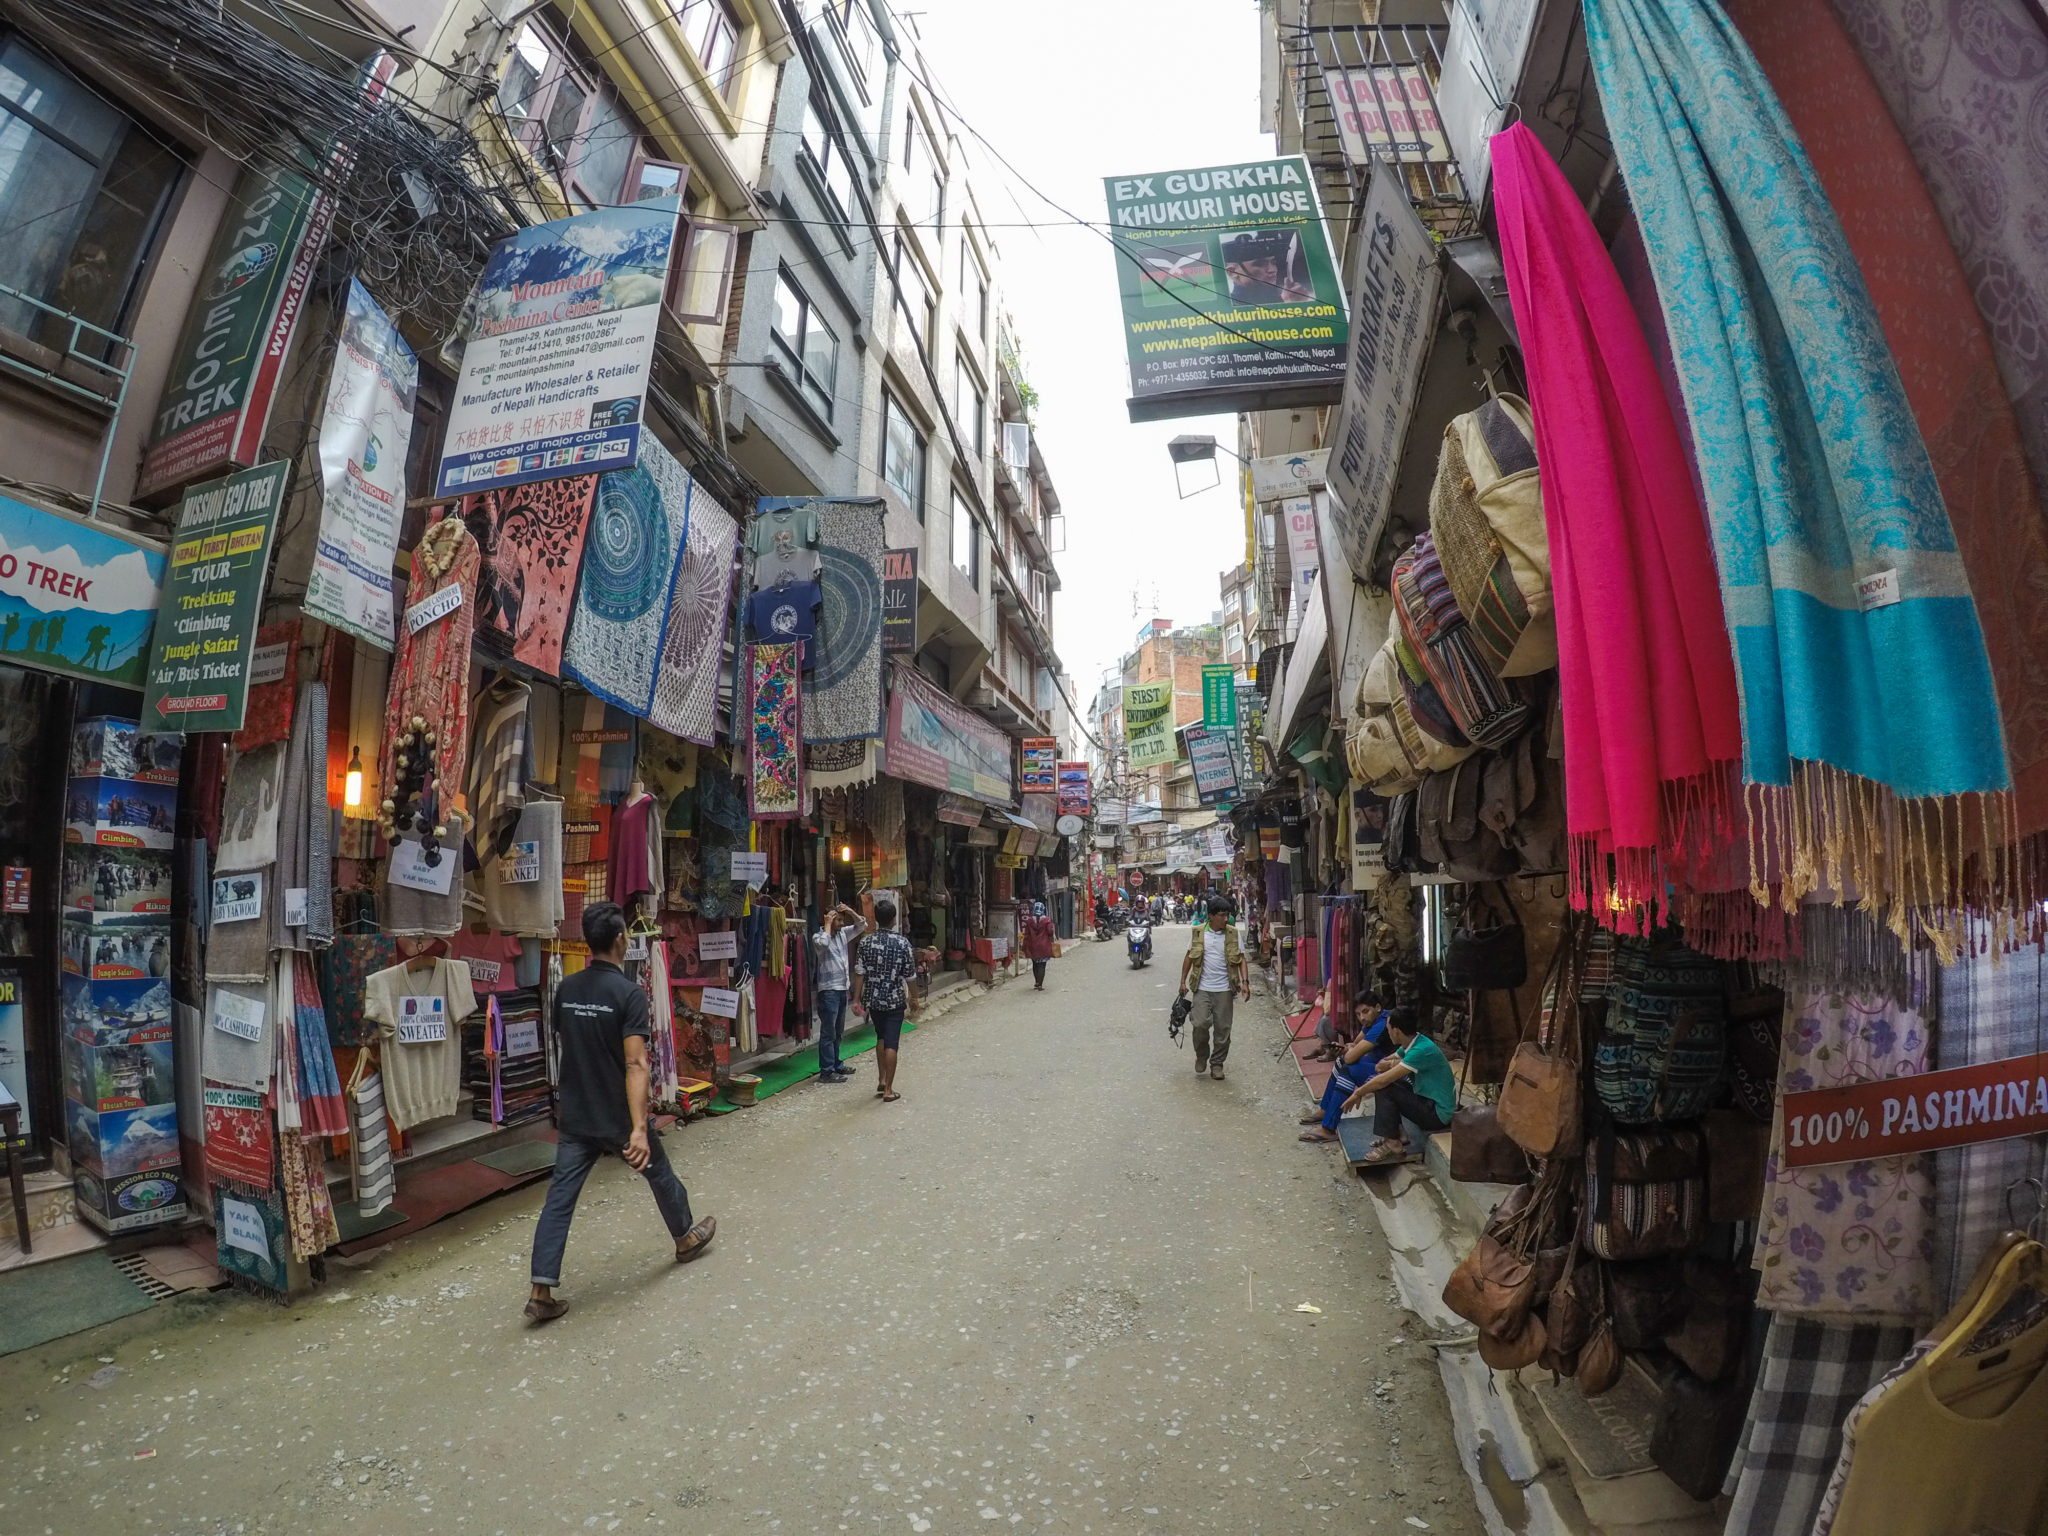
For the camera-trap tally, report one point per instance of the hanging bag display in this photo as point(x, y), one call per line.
point(1645, 1193)
point(1481, 1152)
point(1494, 1286)
point(1662, 1055)
point(1539, 1099)
point(370, 1138)
point(1487, 952)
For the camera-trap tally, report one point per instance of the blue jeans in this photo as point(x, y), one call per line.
point(831, 1024)
point(574, 1158)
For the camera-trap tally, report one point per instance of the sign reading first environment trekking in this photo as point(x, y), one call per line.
point(203, 650)
point(1231, 301)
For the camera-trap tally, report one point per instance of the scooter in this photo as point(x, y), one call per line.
point(1139, 942)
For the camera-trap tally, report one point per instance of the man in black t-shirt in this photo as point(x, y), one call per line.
point(601, 1106)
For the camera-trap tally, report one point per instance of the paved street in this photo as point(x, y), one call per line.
point(1054, 1288)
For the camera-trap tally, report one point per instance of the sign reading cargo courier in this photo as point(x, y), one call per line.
point(1230, 298)
point(554, 376)
point(204, 647)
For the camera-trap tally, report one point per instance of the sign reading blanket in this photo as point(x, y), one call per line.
point(75, 598)
point(1393, 307)
point(934, 740)
point(364, 433)
point(1230, 298)
point(1148, 724)
point(205, 641)
point(554, 377)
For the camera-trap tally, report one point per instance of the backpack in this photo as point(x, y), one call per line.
point(1481, 707)
point(1662, 1055)
point(1486, 521)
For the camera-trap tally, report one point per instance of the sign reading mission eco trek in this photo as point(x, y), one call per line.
point(1230, 299)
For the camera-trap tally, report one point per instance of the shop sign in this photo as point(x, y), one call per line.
point(1215, 773)
point(241, 1017)
point(718, 944)
point(75, 598)
point(1041, 756)
point(899, 600)
point(1231, 300)
point(554, 374)
point(14, 1049)
point(1074, 798)
point(365, 430)
point(1393, 304)
point(1219, 697)
point(1289, 474)
point(958, 811)
point(1368, 839)
point(1483, 63)
point(411, 868)
point(1991, 1101)
point(241, 1227)
point(204, 648)
point(1386, 112)
point(253, 289)
point(1009, 861)
point(438, 606)
point(238, 898)
point(1148, 724)
point(750, 870)
point(720, 1003)
point(15, 885)
point(934, 740)
point(982, 837)
point(1304, 555)
point(422, 1019)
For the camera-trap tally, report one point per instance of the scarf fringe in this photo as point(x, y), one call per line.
point(1627, 888)
point(1733, 925)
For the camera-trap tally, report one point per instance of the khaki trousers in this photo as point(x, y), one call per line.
point(1211, 1021)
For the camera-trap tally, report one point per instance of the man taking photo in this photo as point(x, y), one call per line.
point(601, 1107)
point(1214, 958)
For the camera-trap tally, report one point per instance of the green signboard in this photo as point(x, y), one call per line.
point(1231, 301)
point(1219, 698)
point(203, 648)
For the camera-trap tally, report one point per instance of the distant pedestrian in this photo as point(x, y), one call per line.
point(842, 927)
point(1037, 940)
point(1414, 1083)
point(601, 1106)
point(1221, 975)
point(883, 965)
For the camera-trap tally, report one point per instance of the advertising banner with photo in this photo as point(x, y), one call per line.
point(205, 642)
point(1148, 724)
point(364, 433)
point(75, 597)
point(554, 375)
point(1231, 300)
point(1074, 798)
point(1040, 756)
point(1393, 304)
point(934, 739)
point(1215, 770)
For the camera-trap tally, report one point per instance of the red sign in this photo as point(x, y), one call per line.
point(1989, 1102)
point(14, 893)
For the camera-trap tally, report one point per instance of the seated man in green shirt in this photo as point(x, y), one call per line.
point(1414, 1083)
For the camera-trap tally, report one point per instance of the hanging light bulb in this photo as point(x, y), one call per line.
point(352, 786)
point(846, 853)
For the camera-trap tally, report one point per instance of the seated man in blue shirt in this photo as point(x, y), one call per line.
point(1414, 1084)
point(1351, 1071)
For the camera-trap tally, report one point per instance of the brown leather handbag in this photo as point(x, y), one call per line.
point(1494, 1286)
point(1525, 1348)
point(1539, 1101)
point(1481, 1152)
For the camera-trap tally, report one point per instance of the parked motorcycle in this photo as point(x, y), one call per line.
point(1139, 944)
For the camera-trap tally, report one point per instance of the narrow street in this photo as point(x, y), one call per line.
point(1053, 1287)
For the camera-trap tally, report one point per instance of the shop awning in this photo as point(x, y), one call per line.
point(1307, 668)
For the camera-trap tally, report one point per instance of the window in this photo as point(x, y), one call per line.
point(858, 40)
point(966, 542)
point(713, 32)
point(970, 412)
point(917, 292)
point(974, 288)
point(807, 343)
point(573, 124)
point(1233, 640)
point(82, 194)
point(924, 179)
point(701, 276)
point(830, 159)
point(903, 452)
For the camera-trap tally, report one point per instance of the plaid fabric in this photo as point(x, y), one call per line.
point(1988, 1012)
point(497, 765)
point(1813, 1373)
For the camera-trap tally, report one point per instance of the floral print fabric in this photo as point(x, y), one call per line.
point(1847, 1240)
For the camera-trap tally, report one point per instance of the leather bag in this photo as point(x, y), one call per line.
point(1646, 1299)
point(1715, 1334)
point(1492, 1288)
point(1600, 1361)
point(1574, 1305)
point(1539, 1098)
point(1487, 951)
point(1481, 1152)
point(1524, 1348)
point(1645, 1193)
point(1697, 1428)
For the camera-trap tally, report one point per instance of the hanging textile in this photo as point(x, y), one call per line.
point(345, 966)
point(243, 1055)
point(664, 1087)
point(1872, 746)
point(239, 1142)
point(370, 1140)
point(839, 764)
point(1937, 335)
point(305, 847)
point(321, 1108)
point(686, 686)
point(430, 668)
point(268, 716)
point(252, 1240)
point(1647, 689)
point(308, 1210)
point(497, 765)
point(843, 690)
point(248, 810)
point(774, 732)
point(530, 538)
point(624, 599)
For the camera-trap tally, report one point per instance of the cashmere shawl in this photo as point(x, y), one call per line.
point(1871, 738)
point(248, 810)
point(1647, 690)
point(430, 670)
point(497, 765)
point(305, 845)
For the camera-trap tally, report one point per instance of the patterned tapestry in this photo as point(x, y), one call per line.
point(239, 1145)
point(686, 687)
point(257, 1221)
point(531, 537)
point(624, 601)
point(775, 780)
point(843, 693)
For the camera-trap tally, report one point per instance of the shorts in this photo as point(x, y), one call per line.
point(888, 1024)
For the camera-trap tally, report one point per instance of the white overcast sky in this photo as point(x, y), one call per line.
point(1071, 91)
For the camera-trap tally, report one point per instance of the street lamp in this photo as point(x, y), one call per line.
point(1192, 448)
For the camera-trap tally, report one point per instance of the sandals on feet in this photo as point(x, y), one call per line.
point(891, 1096)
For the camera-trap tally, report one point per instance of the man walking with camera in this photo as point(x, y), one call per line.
point(1221, 975)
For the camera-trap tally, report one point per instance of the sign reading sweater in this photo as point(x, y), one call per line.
point(1988, 1102)
point(630, 559)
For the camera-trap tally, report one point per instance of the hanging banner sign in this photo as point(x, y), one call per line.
point(1041, 756)
point(1219, 697)
point(1231, 301)
point(1074, 796)
point(252, 290)
point(1292, 474)
point(1148, 724)
point(935, 740)
point(1209, 757)
point(899, 600)
point(75, 597)
point(1991, 1101)
point(1386, 112)
point(1393, 304)
point(204, 648)
point(1304, 555)
point(365, 430)
point(554, 376)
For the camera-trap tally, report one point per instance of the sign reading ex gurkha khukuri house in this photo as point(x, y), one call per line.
point(1231, 301)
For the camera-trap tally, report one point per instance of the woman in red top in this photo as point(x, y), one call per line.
point(1037, 942)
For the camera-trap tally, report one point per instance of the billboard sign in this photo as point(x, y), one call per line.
point(899, 600)
point(1386, 112)
point(1148, 724)
point(933, 739)
point(75, 597)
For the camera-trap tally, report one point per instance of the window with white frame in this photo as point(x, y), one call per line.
point(859, 42)
point(970, 407)
point(966, 542)
point(903, 453)
point(917, 293)
point(569, 118)
point(828, 156)
point(923, 176)
point(806, 343)
point(712, 30)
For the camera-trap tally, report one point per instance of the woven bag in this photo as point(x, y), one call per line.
point(1486, 519)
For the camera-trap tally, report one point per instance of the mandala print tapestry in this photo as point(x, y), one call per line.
point(686, 687)
point(843, 693)
point(775, 784)
point(624, 600)
point(531, 537)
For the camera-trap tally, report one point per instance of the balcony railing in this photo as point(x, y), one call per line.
point(92, 365)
